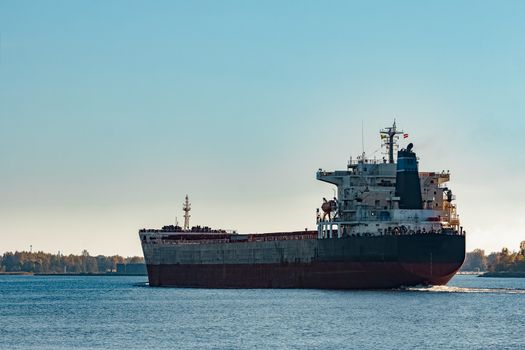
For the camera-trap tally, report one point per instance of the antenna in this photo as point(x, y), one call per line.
point(363, 139)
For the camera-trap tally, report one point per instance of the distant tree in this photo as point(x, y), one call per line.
point(475, 261)
point(102, 263)
point(91, 265)
point(28, 266)
point(11, 262)
point(135, 260)
point(114, 260)
point(57, 263)
point(506, 261)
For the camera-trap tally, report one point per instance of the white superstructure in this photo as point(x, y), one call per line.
point(368, 200)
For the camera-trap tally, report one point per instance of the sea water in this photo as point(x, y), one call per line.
point(89, 312)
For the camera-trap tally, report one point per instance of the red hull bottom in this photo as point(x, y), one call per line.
point(327, 275)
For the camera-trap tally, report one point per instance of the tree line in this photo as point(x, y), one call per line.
point(504, 261)
point(40, 262)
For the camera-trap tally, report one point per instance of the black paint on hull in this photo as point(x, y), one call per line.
point(347, 263)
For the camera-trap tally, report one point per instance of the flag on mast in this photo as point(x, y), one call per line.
point(405, 136)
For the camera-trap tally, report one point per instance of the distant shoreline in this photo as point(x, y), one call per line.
point(20, 273)
point(69, 274)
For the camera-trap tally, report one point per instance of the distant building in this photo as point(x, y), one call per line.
point(132, 269)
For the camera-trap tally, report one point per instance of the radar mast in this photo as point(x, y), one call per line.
point(389, 138)
point(186, 207)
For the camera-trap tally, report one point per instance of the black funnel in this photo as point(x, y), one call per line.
point(408, 187)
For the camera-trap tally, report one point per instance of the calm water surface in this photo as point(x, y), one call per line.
point(48, 312)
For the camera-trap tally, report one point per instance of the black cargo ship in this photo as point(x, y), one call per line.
point(389, 226)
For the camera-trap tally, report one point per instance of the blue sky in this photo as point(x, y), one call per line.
point(110, 112)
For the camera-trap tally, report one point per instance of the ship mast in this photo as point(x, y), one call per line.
point(186, 207)
point(388, 135)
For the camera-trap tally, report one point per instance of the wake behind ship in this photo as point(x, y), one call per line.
point(389, 226)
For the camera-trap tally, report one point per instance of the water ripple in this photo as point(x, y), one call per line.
point(452, 289)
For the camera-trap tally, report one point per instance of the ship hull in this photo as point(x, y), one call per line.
point(319, 276)
point(346, 263)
